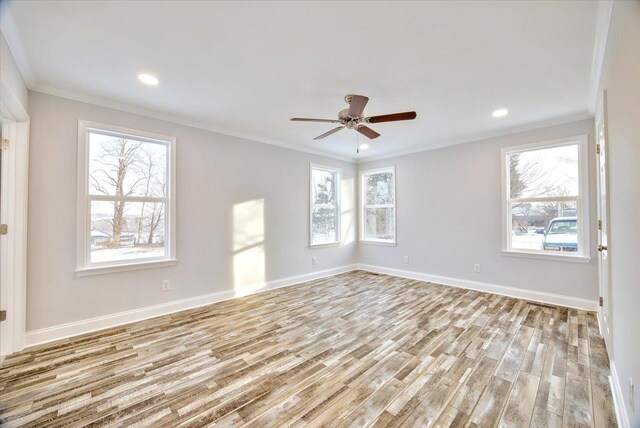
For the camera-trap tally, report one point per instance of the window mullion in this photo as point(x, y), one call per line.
point(545, 199)
point(108, 198)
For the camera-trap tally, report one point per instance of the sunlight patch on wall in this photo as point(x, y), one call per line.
point(248, 247)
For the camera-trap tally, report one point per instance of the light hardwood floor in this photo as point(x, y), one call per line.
point(357, 349)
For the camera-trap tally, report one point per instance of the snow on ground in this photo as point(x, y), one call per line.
point(529, 242)
point(125, 253)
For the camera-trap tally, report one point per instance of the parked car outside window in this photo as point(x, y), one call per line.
point(562, 234)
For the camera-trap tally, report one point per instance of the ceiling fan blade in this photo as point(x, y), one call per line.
point(326, 134)
point(305, 119)
point(392, 117)
point(368, 132)
point(357, 104)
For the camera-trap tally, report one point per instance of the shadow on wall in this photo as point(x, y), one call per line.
point(248, 247)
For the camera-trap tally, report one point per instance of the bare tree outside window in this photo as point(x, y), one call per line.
point(128, 190)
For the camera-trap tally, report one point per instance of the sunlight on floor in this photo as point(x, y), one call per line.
point(248, 247)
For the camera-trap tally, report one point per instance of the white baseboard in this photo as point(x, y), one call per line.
point(520, 293)
point(63, 331)
point(618, 398)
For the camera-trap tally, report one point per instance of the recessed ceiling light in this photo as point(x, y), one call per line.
point(148, 79)
point(363, 146)
point(501, 112)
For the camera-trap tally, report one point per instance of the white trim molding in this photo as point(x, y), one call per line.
point(618, 398)
point(603, 21)
point(581, 200)
point(16, 125)
point(518, 293)
point(176, 119)
point(11, 36)
point(84, 266)
point(362, 206)
point(338, 203)
point(480, 137)
point(63, 331)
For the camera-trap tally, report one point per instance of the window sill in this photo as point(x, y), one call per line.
point(328, 244)
point(543, 256)
point(383, 243)
point(125, 267)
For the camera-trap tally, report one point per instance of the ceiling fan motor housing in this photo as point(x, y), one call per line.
point(348, 121)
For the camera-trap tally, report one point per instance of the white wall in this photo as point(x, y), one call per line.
point(621, 80)
point(450, 213)
point(214, 173)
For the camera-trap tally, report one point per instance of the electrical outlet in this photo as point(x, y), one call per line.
point(477, 268)
point(166, 284)
point(405, 259)
point(632, 399)
point(314, 260)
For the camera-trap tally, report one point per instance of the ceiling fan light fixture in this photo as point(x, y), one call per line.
point(501, 112)
point(363, 146)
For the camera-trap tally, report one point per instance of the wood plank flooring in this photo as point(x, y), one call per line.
point(356, 349)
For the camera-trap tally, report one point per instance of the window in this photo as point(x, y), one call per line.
point(125, 198)
point(378, 206)
point(546, 199)
point(325, 205)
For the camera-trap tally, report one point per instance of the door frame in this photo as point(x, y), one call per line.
point(605, 331)
point(13, 266)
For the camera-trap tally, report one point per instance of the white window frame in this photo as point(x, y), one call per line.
point(582, 201)
point(338, 185)
point(83, 234)
point(363, 177)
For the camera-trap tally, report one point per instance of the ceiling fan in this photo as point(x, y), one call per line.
point(352, 118)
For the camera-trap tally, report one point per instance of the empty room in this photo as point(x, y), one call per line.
point(319, 213)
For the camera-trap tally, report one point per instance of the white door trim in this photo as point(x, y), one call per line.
point(14, 261)
point(606, 327)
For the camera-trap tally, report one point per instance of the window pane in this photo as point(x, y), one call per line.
point(544, 173)
point(549, 226)
point(324, 186)
point(324, 216)
point(126, 167)
point(126, 231)
point(324, 224)
point(379, 224)
point(379, 188)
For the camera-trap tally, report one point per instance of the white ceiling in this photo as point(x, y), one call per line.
point(246, 68)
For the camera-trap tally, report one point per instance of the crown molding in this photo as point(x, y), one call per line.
point(9, 30)
point(603, 21)
point(484, 136)
point(172, 118)
point(10, 33)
